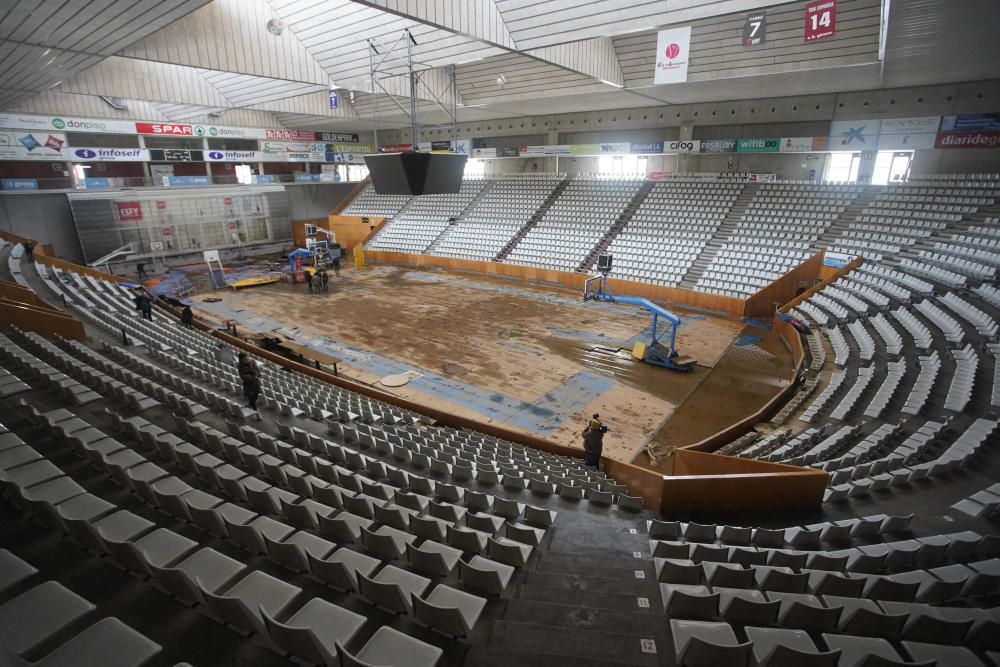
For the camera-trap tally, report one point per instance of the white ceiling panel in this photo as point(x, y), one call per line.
point(244, 89)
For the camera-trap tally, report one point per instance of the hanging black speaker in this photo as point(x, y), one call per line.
point(416, 173)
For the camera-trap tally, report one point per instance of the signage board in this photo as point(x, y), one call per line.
point(561, 149)
point(480, 153)
point(232, 156)
point(129, 210)
point(755, 29)
point(334, 100)
point(771, 145)
point(837, 259)
point(796, 145)
point(648, 147)
point(673, 51)
point(821, 20)
point(974, 122)
point(908, 133)
point(967, 140)
point(857, 135)
point(109, 154)
point(532, 151)
point(687, 146)
point(717, 146)
point(20, 145)
point(19, 183)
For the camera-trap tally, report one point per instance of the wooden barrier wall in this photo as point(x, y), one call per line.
point(709, 482)
point(716, 302)
point(45, 321)
point(14, 292)
point(764, 302)
point(734, 431)
point(830, 274)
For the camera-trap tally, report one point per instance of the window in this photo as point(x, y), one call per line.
point(475, 168)
point(891, 167)
point(843, 167)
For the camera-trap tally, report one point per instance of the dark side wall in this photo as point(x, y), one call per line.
point(45, 217)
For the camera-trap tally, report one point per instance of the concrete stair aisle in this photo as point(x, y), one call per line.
point(846, 219)
point(533, 220)
point(612, 233)
point(483, 191)
point(714, 244)
point(579, 602)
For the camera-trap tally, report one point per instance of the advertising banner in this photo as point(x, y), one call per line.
point(18, 183)
point(479, 153)
point(109, 155)
point(563, 149)
point(585, 149)
point(974, 122)
point(647, 147)
point(96, 183)
point(717, 146)
point(615, 148)
point(846, 135)
point(298, 135)
point(342, 137)
point(758, 145)
point(175, 155)
point(673, 51)
point(233, 156)
point(688, 146)
point(396, 148)
point(129, 210)
point(171, 129)
point(186, 180)
point(796, 145)
point(821, 20)
point(967, 140)
point(30, 122)
point(16, 145)
point(532, 151)
point(908, 133)
point(837, 259)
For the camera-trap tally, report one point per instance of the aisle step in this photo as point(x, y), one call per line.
point(591, 644)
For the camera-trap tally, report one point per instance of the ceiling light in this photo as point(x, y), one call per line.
point(276, 27)
point(501, 80)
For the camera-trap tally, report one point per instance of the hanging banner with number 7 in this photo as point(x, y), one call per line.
point(821, 19)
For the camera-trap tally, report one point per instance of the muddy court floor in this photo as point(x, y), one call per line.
point(529, 357)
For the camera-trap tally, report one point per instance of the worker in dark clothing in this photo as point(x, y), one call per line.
point(309, 281)
point(324, 280)
point(595, 421)
point(593, 444)
point(29, 250)
point(250, 376)
point(187, 316)
point(147, 308)
point(336, 265)
point(139, 296)
point(140, 270)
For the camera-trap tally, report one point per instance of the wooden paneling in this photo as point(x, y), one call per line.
point(709, 482)
point(46, 321)
point(828, 274)
point(717, 302)
point(765, 301)
point(14, 292)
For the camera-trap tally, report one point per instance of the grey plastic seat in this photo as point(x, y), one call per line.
point(394, 516)
point(697, 532)
point(780, 579)
point(313, 632)
point(205, 569)
point(433, 558)
point(13, 570)
point(524, 534)
point(886, 588)
point(391, 648)
point(767, 537)
point(340, 569)
point(944, 656)
point(242, 604)
point(728, 575)
point(158, 549)
point(747, 556)
point(486, 523)
point(293, 551)
point(689, 601)
point(537, 516)
point(676, 571)
point(708, 644)
point(663, 530)
point(868, 652)
point(925, 622)
point(122, 526)
point(387, 542)
point(864, 617)
point(392, 589)
point(805, 612)
point(485, 575)
point(795, 560)
point(747, 606)
point(508, 551)
point(41, 612)
point(779, 647)
point(834, 583)
point(449, 611)
point(468, 540)
point(737, 535)
point(250, 535)
point(108, 643)
point(430, 528)
point(344, 527)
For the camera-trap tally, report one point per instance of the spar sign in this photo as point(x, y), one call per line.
point(171, 129)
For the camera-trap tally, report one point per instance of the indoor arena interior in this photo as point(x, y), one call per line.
point(487, 333)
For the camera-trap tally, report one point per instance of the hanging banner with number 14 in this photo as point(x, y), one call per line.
point(821, 20)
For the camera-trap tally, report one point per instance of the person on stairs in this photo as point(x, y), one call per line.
point(593, 443)
point(250, 376)
point(186, 316)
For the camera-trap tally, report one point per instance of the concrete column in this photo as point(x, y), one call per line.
point(146, 173)
point(552, 138)
point(687, 162)
point(208, 165)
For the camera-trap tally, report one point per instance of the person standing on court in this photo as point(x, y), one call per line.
point(325, 280)
point(336, 265)
point(140, 271)
point(593, 444)
point(250, 376)
point(309, 281)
